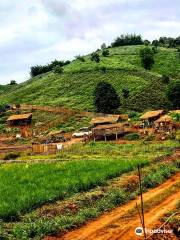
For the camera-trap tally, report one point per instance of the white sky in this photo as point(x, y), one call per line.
point(39, 31)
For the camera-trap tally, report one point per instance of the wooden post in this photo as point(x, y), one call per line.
point(142, 205)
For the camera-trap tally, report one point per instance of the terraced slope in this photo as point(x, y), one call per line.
point(74, 88)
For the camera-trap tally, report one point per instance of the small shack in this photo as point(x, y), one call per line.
point(20, 119)
point(164, 123)
point(150, 117)
point(107, 130)
point(109, 119)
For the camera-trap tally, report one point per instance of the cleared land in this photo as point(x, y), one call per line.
point(122, 222)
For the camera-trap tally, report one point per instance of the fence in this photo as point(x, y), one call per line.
point(44, 148)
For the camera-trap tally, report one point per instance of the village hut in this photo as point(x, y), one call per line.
point(164, 123)
point(108, 119)
point(150, 117)
point(20, 119)
point(108, 130)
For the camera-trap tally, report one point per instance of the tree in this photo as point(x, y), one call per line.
point(147, 42)
point(13, 82)
point(106, 100)
point(95, 57)
point(125, 93)
point(147, 57)
point(103, 46)
point(173, 93)
point(128, 39)
point(105, 52)
point(80, 58)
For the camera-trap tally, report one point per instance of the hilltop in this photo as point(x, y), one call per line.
point(74, 87)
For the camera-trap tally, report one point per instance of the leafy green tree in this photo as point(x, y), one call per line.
point(13, 82)
point(95, 57)
point(147, 42)
point(103, 46)
point(106, 100)
point(80, 58)
point(173, 93)
point(128, 39)
point(147, 57)
point(105, 52)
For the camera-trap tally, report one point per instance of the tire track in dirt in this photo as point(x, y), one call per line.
point(118, 225)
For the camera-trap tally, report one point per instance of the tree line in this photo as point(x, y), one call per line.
point(39, 69)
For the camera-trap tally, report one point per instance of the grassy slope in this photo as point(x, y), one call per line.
point(74, 88)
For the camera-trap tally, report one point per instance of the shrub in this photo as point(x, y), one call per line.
point(150, 137)
point(103, 69)
point(95, 57)
point(132, 136)
point(80, 58)
point(9, 156)
point(105, 52)
point(125, 93)
point(58, 70)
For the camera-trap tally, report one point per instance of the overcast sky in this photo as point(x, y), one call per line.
point(39, 31)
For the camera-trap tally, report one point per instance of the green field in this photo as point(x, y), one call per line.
point(74, 88)
point(26, 186)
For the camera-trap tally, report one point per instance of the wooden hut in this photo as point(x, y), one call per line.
point(150, 117)
point(109, 119)
point(164, 123)
point(20, 119)
point(108, 130)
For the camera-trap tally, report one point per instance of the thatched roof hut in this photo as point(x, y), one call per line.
point(108, 130)
point(110, 119)
point(20, 119)
point(152, 115)
point(164, 119)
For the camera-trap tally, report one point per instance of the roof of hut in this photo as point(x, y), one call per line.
point(109, 126)
point(20, 117)
point(151, 114)
point(165, 118)
point(105, 119)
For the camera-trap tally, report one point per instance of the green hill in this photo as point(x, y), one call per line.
point(74, 88)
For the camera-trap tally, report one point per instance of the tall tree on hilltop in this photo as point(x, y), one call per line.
point(106, 100)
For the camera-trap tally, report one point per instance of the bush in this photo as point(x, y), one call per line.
point(80, 58)
point(105, 52)
point(102, 69)
point(150, 137)
point(10, 156)
point(132, 136)
point(58, 70)
point(95, 57)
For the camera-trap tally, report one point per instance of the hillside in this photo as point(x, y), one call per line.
point(74, 88)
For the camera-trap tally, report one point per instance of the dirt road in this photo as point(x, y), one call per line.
point(120, 223)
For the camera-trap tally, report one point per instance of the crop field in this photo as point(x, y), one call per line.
point(24, 188)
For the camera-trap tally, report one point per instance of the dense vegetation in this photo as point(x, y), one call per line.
point(122, 68)
point(38, 69)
